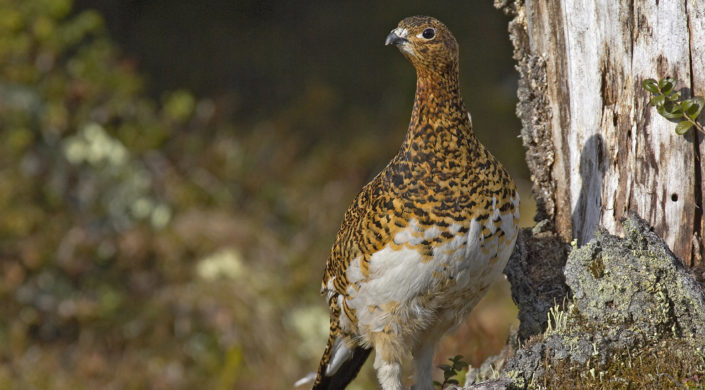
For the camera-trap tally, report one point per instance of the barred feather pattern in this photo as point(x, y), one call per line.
point(423, 241)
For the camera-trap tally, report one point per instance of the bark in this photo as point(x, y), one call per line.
point(595, 148)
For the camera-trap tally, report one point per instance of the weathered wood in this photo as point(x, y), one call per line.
point(696, 28)
point(595, 148)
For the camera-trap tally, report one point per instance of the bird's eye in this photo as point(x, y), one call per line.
point(428, 33)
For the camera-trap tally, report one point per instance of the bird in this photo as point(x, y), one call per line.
point(424, 240)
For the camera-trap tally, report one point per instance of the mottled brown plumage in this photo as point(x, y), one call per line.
point(425, 238)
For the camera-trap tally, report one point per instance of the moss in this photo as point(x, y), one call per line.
point(669, 364)
point(582, 357)
point(597, 268)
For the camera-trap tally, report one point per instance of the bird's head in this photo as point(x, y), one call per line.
point(427, 43)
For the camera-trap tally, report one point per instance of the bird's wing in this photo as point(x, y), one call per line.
point(365, 230)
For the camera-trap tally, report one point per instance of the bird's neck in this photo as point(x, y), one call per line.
point(439, 115)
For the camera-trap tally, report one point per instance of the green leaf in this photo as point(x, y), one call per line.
point(675, 114)
point(683, 127)
point(675, 97)
point(686, 104)
point(670, 110)
point(650, 85)
point(668, 88)
point(666, 85)
point(696, 107)
point(452, 382)
point(657, 100)
point(444, 367)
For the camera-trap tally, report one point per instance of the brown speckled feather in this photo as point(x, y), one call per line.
point(440, 213)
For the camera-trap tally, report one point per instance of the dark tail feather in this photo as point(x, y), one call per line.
point(345, 374)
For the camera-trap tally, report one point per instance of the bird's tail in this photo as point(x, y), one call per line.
point(339, 364)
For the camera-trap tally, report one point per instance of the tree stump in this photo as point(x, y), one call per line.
point(595, 148)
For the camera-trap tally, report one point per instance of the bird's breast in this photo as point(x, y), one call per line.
point(426, 267)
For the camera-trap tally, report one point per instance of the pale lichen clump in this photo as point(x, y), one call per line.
point(636, 318)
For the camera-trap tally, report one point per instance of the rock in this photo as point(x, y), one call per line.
point(636, 281)
point(632, 307)
point(535, 272)
point(497, 384)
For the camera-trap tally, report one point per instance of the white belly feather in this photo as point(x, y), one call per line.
point(406, 290)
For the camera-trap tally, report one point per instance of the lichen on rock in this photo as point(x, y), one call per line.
point(636, 281)
point(635, 318)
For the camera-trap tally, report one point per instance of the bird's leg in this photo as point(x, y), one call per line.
point(388, 355)
point(423, 361)
point(388, 372)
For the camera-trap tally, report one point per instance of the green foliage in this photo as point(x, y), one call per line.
point(156, 243)
point(450, 371)
point(107, 202)
point(670, 105)
point(152, 244)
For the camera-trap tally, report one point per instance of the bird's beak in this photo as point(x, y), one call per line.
point(396, 37)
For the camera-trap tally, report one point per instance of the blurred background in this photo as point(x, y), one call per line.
point(173, 174)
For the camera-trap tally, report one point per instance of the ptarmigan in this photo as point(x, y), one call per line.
point(423, 241)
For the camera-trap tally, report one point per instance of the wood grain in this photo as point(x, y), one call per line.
point(610, 151)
